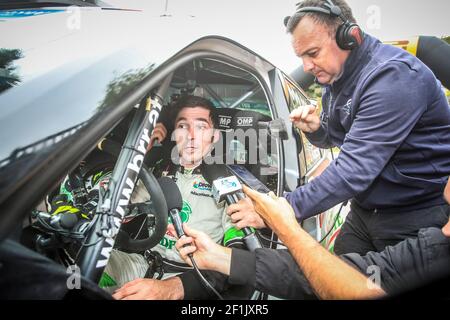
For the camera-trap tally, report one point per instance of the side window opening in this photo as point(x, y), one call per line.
point(241, 104)
point(325, 226)
point(237, 94)
point(309, 156)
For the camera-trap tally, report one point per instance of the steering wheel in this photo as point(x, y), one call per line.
point(124, 240)
point(132, 245)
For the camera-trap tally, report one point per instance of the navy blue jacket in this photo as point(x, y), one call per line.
point(390, 117)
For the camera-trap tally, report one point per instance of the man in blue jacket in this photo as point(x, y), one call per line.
point(388, 114)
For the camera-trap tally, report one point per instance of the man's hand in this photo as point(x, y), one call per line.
point(243, 215)
point(151, 289)
point(446, 229)
point(305, 118)
point(207, 254)
point(276, 212)
point(159, 133)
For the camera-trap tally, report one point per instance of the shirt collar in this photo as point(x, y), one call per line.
point(355, 61)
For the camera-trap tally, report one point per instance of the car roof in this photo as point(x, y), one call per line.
point(66, 35)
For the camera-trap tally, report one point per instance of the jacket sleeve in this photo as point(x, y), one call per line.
point(319, 138)
point(388, 111)
point(195, 289)
point(271, 271)
point(409, 264)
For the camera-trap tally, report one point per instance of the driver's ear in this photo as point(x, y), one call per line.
point(216, 136)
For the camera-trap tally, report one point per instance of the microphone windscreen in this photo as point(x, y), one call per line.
point(171, 192)
point(214, 172)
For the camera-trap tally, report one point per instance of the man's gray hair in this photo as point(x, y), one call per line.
point(331, 22)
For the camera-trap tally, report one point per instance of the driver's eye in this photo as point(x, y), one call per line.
point(183, 126)
point(201, 127)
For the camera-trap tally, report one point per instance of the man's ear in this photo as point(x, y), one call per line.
point(216, 136)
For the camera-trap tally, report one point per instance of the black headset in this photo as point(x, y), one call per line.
point(348, 35)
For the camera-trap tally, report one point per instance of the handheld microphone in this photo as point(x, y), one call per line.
point(226, 187)
point(174, 203)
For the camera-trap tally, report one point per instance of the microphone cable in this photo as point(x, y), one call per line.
point(320, 241)
point(334, 222)
point(267, 239)
point(203, 279)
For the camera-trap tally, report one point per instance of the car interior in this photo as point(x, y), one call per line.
point(247, 140)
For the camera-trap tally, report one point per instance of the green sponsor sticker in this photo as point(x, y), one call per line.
point(106, 281)
point(232, 234)
point(185, 213)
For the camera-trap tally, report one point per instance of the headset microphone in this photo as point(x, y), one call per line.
point(348, 35)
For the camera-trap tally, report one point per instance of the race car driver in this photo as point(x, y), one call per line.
point(194, 135)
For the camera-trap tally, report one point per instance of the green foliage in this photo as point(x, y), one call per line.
point(123, 84)
point(8, 74)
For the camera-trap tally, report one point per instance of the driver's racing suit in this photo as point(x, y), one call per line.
point(199, 211)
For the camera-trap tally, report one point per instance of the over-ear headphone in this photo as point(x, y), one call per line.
point(348, 35)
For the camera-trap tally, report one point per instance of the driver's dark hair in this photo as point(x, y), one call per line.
point(189, 101)
point(331, 22)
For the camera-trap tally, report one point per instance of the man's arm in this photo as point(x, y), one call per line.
point(409, 264)
point(193, 288)
point(330, 277)
point(242, 214)
point(207, 254)
point(384, 119)
point(319, 138)
point(274, 272)
point(305, 118)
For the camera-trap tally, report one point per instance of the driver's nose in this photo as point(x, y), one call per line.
point(191, 133)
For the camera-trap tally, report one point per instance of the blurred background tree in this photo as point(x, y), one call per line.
point(8, 70)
